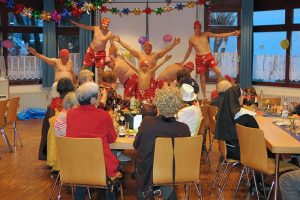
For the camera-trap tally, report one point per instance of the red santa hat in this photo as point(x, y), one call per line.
point(64, 53)
point(197, 24)
point(189, 65)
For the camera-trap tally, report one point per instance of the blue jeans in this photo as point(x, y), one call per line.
point(290, 185)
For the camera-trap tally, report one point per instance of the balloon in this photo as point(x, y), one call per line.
point(284, 44)
point(142, 40)
point(127, 55)
point(167, 38)
point(7, 44)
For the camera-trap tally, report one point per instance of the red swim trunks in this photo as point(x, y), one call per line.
point(131, 88)
point(204, 62)
point(97, 57)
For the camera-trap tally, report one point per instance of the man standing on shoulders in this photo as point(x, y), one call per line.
point(204, 58)
point(147, 54)
point(96, 54)
point(63, 67)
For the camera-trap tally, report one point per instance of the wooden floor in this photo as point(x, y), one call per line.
point(23, 176)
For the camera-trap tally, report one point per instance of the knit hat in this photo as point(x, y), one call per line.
point(189, 65)
point(197, 24)
point(64, 53)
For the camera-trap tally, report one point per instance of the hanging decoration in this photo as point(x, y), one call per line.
point(284, 44)
point(142, 39)
point(167, 38)
point(76, 8)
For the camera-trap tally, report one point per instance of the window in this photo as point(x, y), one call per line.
point(275, 25)
point(225, 50)
point(21, 32)
point(264, 17)
point(295, 58)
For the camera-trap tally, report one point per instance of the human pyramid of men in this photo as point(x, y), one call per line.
point(138, 81)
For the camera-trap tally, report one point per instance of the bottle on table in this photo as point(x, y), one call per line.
point(122, 127)
point(285, 108)
point(261, 102)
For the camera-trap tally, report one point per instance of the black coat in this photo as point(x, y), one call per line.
point(151, 128)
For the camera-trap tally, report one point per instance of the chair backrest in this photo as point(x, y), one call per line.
point(187, 153)
point(163, 161)
point(12, 109)
point(205, 121)
point(3, 109)
point(212, 112)
point(253, 149)
point(276, 101)
point(223, 148)
point(81, 161)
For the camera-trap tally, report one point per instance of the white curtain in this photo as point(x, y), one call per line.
point(29, 67)
point(269, 68)
point(295, 68)
point(228, 63)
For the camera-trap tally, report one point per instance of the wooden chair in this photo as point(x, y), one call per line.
point(11, 117)
point(275, 101)
point(51, 146)
point(3, 110)
point(254, 156)
point(186, 170)
point(226, 163)
point(81, 163)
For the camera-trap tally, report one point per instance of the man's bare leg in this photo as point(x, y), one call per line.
point(100, 72)
point(203, 85)
point(217, 71)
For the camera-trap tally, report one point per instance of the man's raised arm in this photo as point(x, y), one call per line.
point(49, 61)
point(222, 35)
point(83, 26)
point(169, 47)
point(187, 54)
point(133, 52)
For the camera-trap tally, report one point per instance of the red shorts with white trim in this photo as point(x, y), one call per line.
point(204, 62)
point(97, 57)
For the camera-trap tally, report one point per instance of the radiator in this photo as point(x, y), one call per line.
point(33, 99)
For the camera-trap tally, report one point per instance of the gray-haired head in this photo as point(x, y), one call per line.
point(86, 92)
point(85, 75)
point(168, 101)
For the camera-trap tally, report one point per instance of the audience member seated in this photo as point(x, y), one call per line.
point(230, 113)
point(64, 86)
point(250, 97)
point(217, 94)
point(190, 114)
point(109, 83)
point(84, 76)
point(184, 76)
point(60, 124)
point(88, 121)
point(290, 185)
point(168, 102)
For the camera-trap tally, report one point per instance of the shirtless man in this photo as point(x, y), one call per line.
point(145, 73)
point(169, 74)
point(122, 70)
point(63, 67)
point(147, 54)
point(204, 58)
point(96, 54)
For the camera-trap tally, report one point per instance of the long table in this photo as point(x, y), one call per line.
point(122, 143)
point(278, 142)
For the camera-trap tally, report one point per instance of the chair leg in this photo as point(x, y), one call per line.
point(226, 179)
point(121, 189)
point(199, 189)
point(219, 170)
point(59, 192)
point(6, 140)
point(190, 191)
point(255, 183)
point(223, 174)
point(185, 190)
point(72, 190)
point(89, 193)
point(263, 183)
point(238, 185)
point(54, 186)
point(16, 134)
point(271, 190)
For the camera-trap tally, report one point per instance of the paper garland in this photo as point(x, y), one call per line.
point(77, 8)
